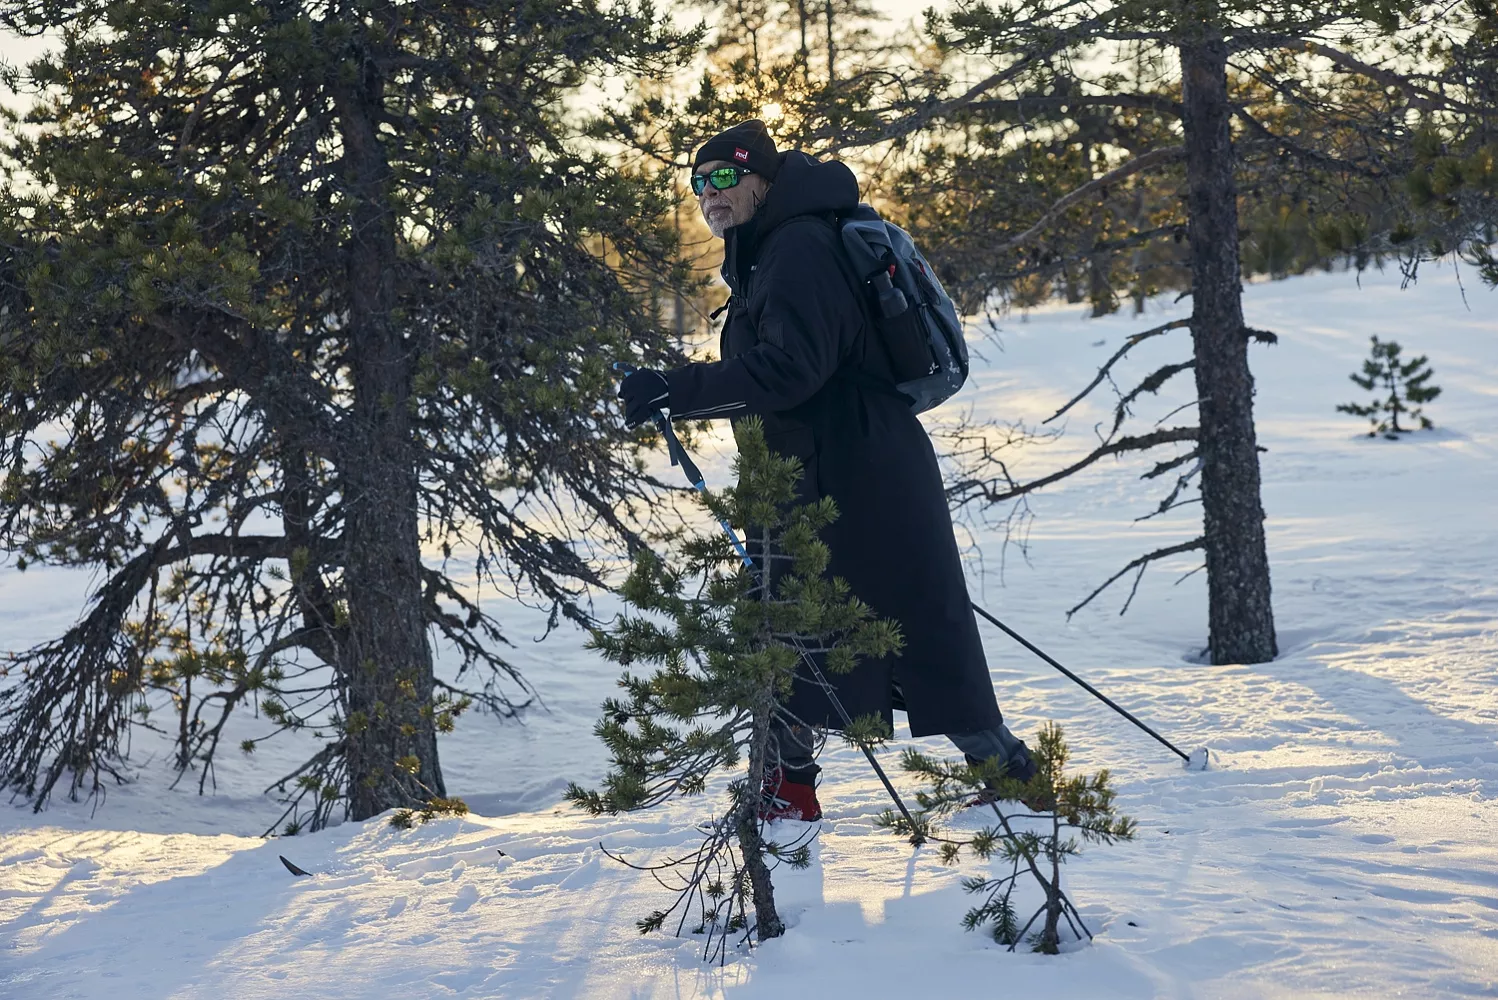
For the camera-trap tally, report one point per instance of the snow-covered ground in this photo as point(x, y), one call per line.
point(1340, 845)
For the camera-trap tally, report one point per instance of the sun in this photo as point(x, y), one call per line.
point(772, 112)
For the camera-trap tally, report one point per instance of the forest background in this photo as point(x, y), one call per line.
point(300, 300)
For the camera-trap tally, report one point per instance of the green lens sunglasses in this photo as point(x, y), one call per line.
point(720, 178)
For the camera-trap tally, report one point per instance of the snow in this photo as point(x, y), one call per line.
point(1339, 845)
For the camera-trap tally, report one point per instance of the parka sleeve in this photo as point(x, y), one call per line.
point(805, 317)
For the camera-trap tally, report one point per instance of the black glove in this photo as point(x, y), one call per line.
point(643, 392)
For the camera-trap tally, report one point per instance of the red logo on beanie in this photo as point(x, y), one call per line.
point(742, 155)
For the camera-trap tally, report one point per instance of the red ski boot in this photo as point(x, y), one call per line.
point(790, 793)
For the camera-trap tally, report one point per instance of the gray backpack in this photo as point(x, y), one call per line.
point(915, 318)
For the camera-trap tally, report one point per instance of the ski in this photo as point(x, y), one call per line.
point(291, 867)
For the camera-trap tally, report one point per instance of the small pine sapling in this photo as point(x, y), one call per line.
point(1035, 843)
point(405, 819)
point(1401, 387)
point(725, 645)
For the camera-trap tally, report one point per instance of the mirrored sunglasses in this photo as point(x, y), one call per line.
point(721, 178)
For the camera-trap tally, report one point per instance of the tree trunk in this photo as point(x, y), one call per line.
point(1071, 287)
point(831, 47)
point(767, 922)
point(385, 662)
point(1099, 289)
point(805, 53)
point(1241, 619)
point(751, 845)
point(678, 300)
point(1050, 934)
point(1139, 258)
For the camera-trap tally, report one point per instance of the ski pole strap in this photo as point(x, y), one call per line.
point(679, 454)
point(694, 476)
point(1088, 687)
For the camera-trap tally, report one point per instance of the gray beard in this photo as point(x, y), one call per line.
point(720, 223)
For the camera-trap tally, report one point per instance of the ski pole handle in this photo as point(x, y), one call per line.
point(673, 446)
point(694, 475)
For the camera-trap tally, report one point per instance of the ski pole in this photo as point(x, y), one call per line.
point(694, 476)
point(1088, 687)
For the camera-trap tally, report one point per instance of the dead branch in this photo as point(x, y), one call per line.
point(1151, 384)
point(1169, 503)
point(1168, 464)
point(1146, 161)
point(1140, 563)
point(967, 490)
point(1102, 373)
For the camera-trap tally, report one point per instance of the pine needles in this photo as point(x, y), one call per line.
point(1060, 811)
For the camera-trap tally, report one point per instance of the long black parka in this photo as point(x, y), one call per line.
point(795, 331)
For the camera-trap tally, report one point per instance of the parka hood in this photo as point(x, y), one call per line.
point(803, 186)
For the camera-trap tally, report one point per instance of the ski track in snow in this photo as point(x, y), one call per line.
point(1340, 845)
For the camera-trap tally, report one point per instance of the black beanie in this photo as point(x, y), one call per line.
point(747, 144)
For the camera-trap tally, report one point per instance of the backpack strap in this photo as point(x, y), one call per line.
point(851, 371)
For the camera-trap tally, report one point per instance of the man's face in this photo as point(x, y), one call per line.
point(722, 210)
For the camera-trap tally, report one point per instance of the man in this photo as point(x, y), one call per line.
point(799, 350)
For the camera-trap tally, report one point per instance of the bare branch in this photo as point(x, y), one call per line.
point(1151, 384)
point(1175, 324)
point(1020, 105)
point(1140, 563)
point(967, 490)
point(1166, 466)
point(1146, 161)
point(1170, 503)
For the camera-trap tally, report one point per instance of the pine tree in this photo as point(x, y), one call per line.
point(811, 69)
point(1397, 385)
point(293, 294)
point(794, 63)
point(1060, 804)
point(725, 644)
point(1099, 144)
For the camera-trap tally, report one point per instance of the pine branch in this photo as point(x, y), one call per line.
point(1274, 140)
point(1055, 262)
point(1428, 100)
point(931, 111)
point(1019, 106)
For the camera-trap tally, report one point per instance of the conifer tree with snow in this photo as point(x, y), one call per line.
point(1093, 145)
point(295, 297)
point(1399, 387)
point(724, 644)
point(1033, 844)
